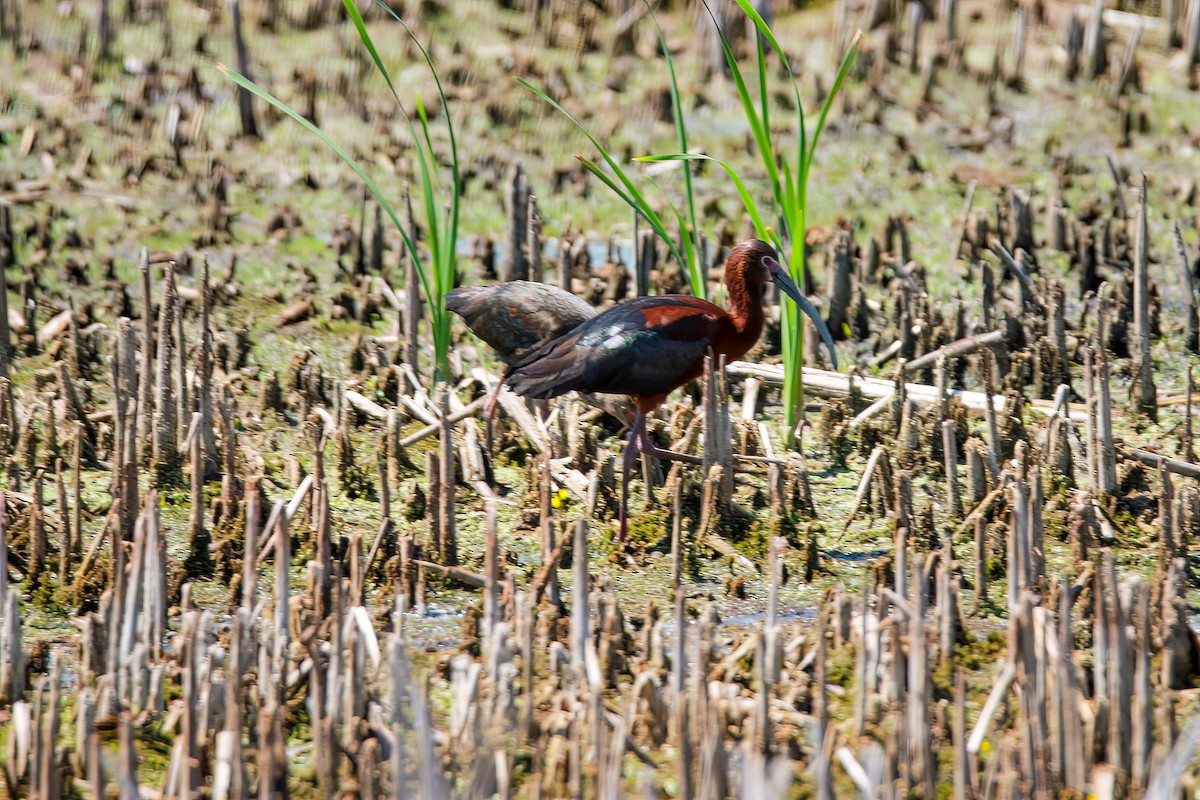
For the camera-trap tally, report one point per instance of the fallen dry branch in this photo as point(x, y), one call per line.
point(825, 383)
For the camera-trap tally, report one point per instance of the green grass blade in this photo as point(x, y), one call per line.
point(744, 193)
point(838, 80)
point(762, 136)
point(357, 19)
point(350, 161)
point(446, 257)
point(763, 97)
point(691, 237)
point(650, 215)
point(631, 195)
point(765, 31)
point(436, 78)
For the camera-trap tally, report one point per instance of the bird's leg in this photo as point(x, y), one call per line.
point(647, 446)
point(630, 458)
point(489, 413)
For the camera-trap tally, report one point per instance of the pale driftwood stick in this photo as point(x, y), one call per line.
point(717, 428)
point(824, 383)
point(581, 661)
point(869, 412)
point(999, 689)
point(463, 576)
point(864, 486)
point(1097, 60)
point(54, 327)
point(962, 779)
point(448, 535)
point(1175, 465)
point(1193, 35)
point(962, 347)
point(1170, 773)
point(855, 772)
point(750, 398)
point(470, 410)
point(364, 404)
point(676, 535)
point(288, 511)
point(922, 763)
point(281, 618)
point(491, 573)
point(887, 354)
point(516, 409)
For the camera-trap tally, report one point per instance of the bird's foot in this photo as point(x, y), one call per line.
point(671, 455)
point(647, 446)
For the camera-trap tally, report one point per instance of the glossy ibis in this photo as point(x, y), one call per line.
point(648, 347)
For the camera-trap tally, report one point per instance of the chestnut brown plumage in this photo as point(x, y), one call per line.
point(648, 347)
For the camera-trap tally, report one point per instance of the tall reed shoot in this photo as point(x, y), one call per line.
point(788, 174)
point(436, 272)
point(689, 257)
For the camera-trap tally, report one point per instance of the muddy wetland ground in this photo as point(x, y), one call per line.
point(258, 540)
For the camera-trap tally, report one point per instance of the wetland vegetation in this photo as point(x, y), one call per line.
point(257, 541)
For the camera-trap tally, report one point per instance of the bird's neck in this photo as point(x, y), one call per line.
point(746, 310)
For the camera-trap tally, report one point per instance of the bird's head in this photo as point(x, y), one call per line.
point(754, 257)
point(760, 263)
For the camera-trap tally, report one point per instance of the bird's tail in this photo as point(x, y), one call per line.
point(550, 370)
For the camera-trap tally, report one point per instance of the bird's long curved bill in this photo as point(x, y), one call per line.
point(788, 287)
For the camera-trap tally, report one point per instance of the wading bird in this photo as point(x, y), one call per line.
point(648, 347)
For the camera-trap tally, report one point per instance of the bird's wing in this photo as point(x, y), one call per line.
point(647, 346)
point(516, 316)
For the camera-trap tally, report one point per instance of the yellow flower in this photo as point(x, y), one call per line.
point(556, 501)
point(562, 494)
point(985, 747)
